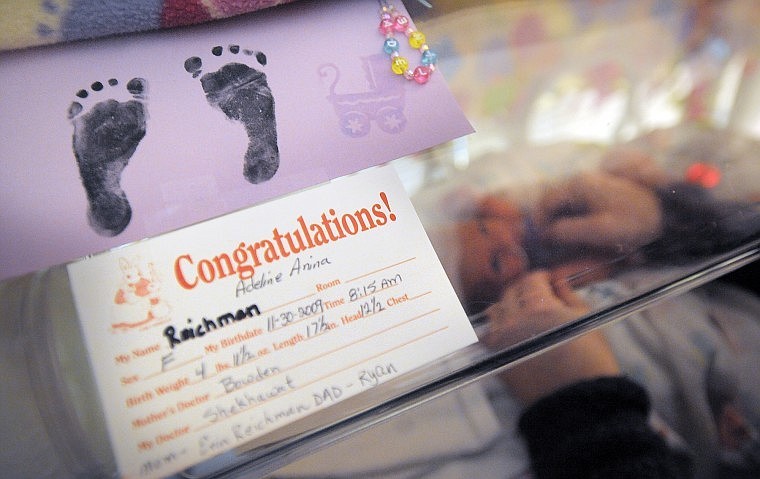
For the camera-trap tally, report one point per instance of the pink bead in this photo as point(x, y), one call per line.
point(422, 75)
point(386, 26)
point(401, 23)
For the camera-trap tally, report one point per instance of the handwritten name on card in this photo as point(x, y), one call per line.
point(209, 337)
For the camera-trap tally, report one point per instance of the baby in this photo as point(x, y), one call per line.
point(584, 228)
point(579, 230)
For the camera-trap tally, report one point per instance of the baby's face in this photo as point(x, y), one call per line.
point(492, 256)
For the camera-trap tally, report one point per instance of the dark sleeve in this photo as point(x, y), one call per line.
point(697, 224)
point(597, 429)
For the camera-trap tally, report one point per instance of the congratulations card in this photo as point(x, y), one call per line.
point(209, 337)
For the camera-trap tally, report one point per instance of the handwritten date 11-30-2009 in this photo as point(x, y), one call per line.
point(285, 318)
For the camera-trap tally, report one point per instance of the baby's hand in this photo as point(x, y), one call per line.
point(532, 305)
point(600, 210)
point(635, 165)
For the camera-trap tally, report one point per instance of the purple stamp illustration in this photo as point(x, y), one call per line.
point(382, 102)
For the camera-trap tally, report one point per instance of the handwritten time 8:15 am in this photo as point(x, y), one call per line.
point(319, 306)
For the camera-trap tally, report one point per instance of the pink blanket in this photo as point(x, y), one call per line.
point(26, 23)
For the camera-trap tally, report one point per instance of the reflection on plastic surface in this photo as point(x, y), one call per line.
point(667, 107)
point(614, 165)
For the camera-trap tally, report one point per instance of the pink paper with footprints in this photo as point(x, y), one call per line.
point(115, 140)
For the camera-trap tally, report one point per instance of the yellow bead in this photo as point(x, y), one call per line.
point(416, 39)
point(399, 65)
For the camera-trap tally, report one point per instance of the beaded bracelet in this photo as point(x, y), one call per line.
point(391, 22)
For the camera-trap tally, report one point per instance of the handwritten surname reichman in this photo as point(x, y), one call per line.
point(267, 420)
point(207, 325)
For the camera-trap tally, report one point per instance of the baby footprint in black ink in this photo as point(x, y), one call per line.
point(105, 138)
point(243, 94)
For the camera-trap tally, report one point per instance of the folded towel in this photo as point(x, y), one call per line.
point(27, 23)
